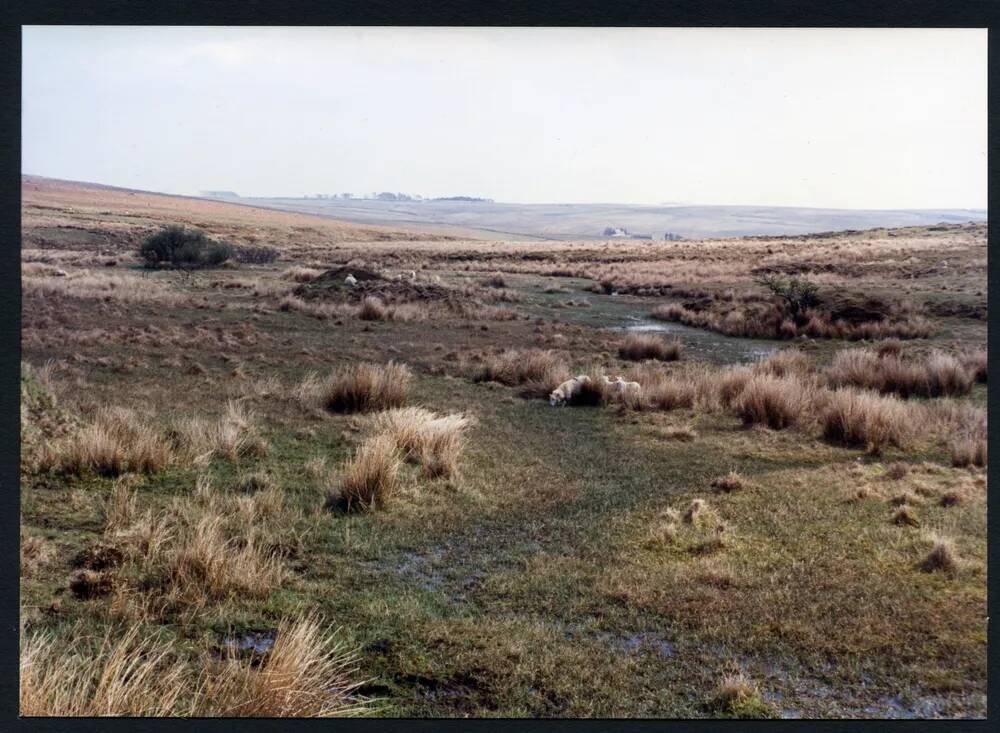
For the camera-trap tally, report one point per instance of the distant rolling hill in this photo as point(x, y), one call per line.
point(588, 221)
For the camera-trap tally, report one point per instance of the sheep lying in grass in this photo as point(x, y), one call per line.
point(351, 280)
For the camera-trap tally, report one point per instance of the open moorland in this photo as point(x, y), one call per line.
point(326, 477)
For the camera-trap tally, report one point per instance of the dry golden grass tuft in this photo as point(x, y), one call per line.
point(359, 388)
point(659, 389)
point(373, 309)
point(776, 402)
point(866, 419)
point(785, 363)
point(976, 363)
point(939, 375)
point(36, 552)
point(207, 563)
point(116, 441)
point(233, 435)
point(738, 697)
point(301, 274)
point(127, 675)
point(942, 556)
point(434, 441)
point(640, 346)
point(896, 471)
point(905, 515)
point(306, 674)
point(371, 477)
point(541, 370)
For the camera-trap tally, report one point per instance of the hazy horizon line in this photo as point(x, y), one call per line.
point(306, 197)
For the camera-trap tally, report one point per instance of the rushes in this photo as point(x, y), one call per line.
point(543, 368)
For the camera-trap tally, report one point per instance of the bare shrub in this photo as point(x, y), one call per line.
point(865, 419)
point(365, 387)
point(640, 346)
point(371, 477)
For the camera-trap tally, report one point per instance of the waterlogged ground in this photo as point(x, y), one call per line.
point(529, 585)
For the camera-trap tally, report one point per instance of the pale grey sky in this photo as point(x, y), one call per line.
point(833, 118)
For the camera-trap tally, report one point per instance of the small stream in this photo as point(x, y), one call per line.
point(629, 313)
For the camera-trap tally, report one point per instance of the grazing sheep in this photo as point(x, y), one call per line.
point(351, 280)
point(413, 275)
point(620, 385)
point(567, 390)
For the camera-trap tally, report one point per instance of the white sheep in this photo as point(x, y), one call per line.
point(351, 280)
point(567, 390)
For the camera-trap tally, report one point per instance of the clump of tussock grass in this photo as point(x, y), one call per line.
point(233, 435)
point(968, 450)
point(206, 563)
point(726, 386)
point(116, 442)
point(889, 347)
point(641, 346)
point(976, 364)
point(434, 441)
point(373, 309)
point(541, 370)
point(36, 552)
point(659, 389)
point(308, 672)
point(939, 375)
point(776, 402)
point(952, 498)
point(120, 509)
point(896, 471)
point(738, 697)
point(130, 674)
point(371, 477)
point(732, 481)
point(905, 515)
point(493, 281)
point(785, 363)
point(301, 274)
point(942, 556)
point(865, 419)
point(255, 481)
point(359, 388)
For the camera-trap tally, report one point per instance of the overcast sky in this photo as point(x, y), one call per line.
point(832, 118)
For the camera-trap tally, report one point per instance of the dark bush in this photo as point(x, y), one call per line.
point(176, 246)
point(248, 255)
point(799, 295)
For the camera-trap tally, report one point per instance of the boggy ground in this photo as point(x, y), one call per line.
point(561, 570)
